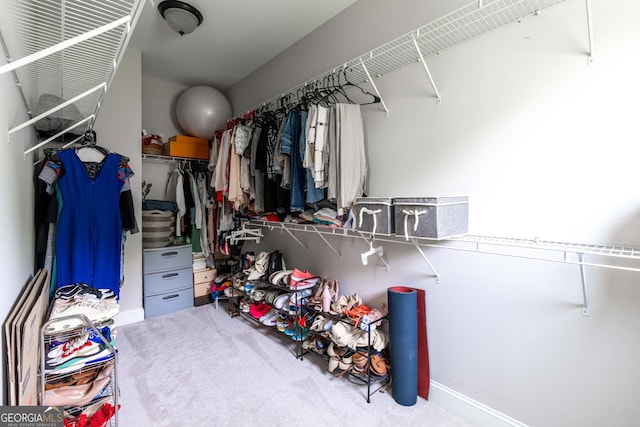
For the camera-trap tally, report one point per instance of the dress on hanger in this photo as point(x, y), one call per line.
point(89, 233)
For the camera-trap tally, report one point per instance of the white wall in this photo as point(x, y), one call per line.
point(159, 98)
point(16, 216)
point(118, 128)
point(543, 146)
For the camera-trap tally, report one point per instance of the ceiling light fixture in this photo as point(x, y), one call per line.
point(181, 17)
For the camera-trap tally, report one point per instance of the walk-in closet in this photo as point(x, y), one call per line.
point(419, 212)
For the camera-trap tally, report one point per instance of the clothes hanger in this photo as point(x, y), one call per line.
point(89, 151)
point(376, 98)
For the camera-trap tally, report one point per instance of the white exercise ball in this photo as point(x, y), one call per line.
point(201, 110)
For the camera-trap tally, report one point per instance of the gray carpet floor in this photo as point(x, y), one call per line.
point(200, 367)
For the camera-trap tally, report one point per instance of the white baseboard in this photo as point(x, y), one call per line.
point(468, 409)
point(129, 316)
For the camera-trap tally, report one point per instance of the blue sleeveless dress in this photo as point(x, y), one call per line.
point(89, 231)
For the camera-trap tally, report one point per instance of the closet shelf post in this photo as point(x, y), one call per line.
point(426, 69)
point(282, 226)
point(585, 293)
point(589, 32)
point(364, 67)
point(433, 270)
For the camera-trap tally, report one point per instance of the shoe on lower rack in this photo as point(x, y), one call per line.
point(95, 309)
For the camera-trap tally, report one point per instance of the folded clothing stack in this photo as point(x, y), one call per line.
point(199, 261)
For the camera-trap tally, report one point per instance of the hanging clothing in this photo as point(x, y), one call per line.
point(89, 232)
point(313, 194)
point(352, 164)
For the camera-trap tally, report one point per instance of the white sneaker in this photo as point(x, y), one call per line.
point(95, 309)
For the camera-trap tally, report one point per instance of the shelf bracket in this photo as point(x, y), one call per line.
point(324, 239)
point(433, 270)
point(585, 293)
point(589, 32)
point(426, 69)
point(282, 226)
point(364, 67)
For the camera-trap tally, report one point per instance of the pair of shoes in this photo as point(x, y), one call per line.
point(327, 294)
point(372, 319)
point(270, 317)
point(300, 335)
point(75, 395)
point(80, 378)
point(360, 362)
point(95, 309)
point(378, 365)
point(357, 312)
point(97, 414)
point(282, 322)
point(67, 292)
point(259, 309)
point(321, 323)
point(302, 280)
point(281, 300)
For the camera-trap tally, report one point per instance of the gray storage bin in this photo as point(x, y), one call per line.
point(431, 217)
point(375, 215)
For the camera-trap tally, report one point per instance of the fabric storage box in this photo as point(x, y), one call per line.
point(187, 146)
point(431, 217)
point(375, 215)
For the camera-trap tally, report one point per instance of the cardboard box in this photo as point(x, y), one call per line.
point(204, 276)
point(201, 289)
point(187, 146)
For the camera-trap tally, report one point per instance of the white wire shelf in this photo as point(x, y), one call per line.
point(615, 257)
point(171, 159)
point(614, 251)
point(543, 250)
point(471, 21)
point(64, 48)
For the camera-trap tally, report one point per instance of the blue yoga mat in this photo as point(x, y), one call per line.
point(403, 344)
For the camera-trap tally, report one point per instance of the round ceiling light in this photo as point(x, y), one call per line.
point(181, 17)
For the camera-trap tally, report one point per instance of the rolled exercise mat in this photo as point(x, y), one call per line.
point(403, 344)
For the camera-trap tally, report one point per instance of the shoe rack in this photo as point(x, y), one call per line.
point(84, 381)
point(294, 317)
point(373, 381)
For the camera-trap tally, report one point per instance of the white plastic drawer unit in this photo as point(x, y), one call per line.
point(167, 258)
point(166, 281)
